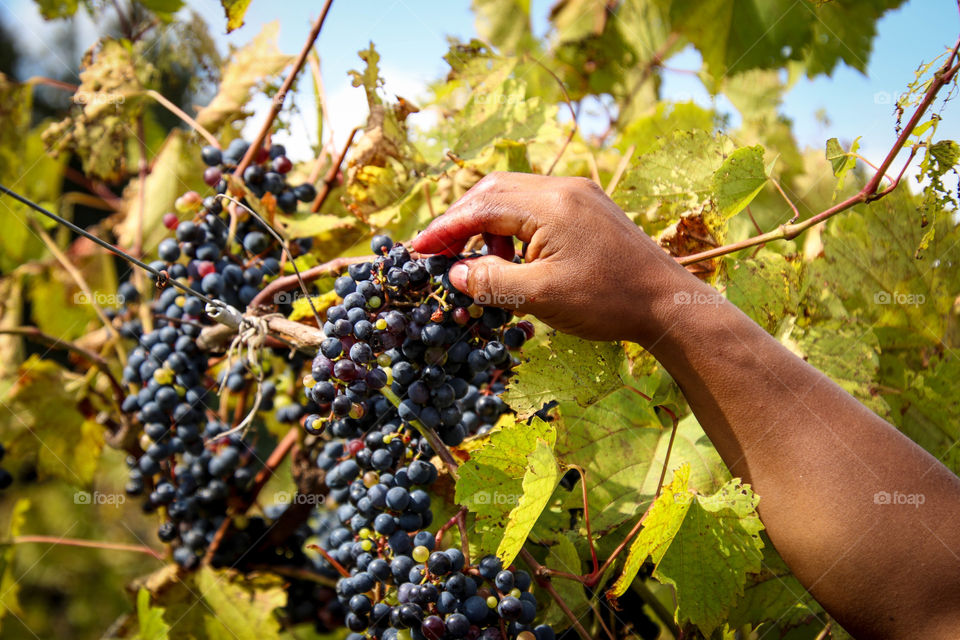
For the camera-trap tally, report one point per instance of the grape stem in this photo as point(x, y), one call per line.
point(429, 434)
point(543, 580)
point(266, 296)
point(278, 100)
point(93, 358)
point(458, 519)
point(330, 559)
point(573, 115)
point(869, 193)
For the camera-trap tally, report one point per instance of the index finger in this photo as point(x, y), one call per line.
point(501, 204)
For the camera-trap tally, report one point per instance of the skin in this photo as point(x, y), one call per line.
point(815, 455)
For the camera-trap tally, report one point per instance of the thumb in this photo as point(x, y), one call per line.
point(491, 280)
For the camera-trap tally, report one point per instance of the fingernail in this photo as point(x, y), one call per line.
point(458, 276)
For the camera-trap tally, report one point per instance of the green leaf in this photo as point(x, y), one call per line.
point(53, 9)
point(235, 10)
point(564, 368)
point(491, 482)
point(248, 68)
point(539, 480)
point(9, 584)
point(775, 595)
point(163, 8)
point(703, 545)
point(737, 35)
point(563, 556)
point(504, 23)
point(841, 161)
point(106, 106)
point(242, 607)
point(176, 168)
point(301, 308)
point(844, 32)
point(40, 421)
point(673, 179)
point(766, 288)
point(847, 351)
point(150, 619)
point(620, 486)
point(739, 179)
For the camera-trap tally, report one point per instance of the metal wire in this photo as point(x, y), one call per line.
point(160, 276)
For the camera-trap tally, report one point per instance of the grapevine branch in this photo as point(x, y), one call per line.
point(869, 192)
point(284, 89)
point(91, 544)
point(331, 176)
point(180, 113)
point(93, 358)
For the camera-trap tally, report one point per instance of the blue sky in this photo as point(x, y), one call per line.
point(411, 36)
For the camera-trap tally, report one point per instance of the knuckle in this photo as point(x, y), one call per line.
point(479, 278)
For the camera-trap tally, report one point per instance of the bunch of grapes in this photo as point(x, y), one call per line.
point(266, 174)
point(402, 324)
point(404, 355)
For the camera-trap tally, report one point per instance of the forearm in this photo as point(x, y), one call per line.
point(817, 457)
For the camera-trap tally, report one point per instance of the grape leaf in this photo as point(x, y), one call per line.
point(40, 421)
point(564, 368)
point(109, 99)
point(27, 167)
point(621, 443)
point(53, 9)
point(927, 408)
point(176, 168)
point(774, 594)
point(9, 584)
point(702, 545)
point(844, 31)
point(491, 482)
point(737, 35)
point(242, 607)
point(739, 179)
point(164, 9)
point(301, 308)
point(539, 480)
point(235, 10)
point(766, 288)
point(841, 161)
point(249, 67)
point(563, 556)
point(845, 350)
point(673, 179)
point(150, 619)
point(504, 23)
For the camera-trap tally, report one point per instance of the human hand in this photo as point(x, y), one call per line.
point(588, 270)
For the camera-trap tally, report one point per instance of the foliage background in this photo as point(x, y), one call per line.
point(870, 298)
